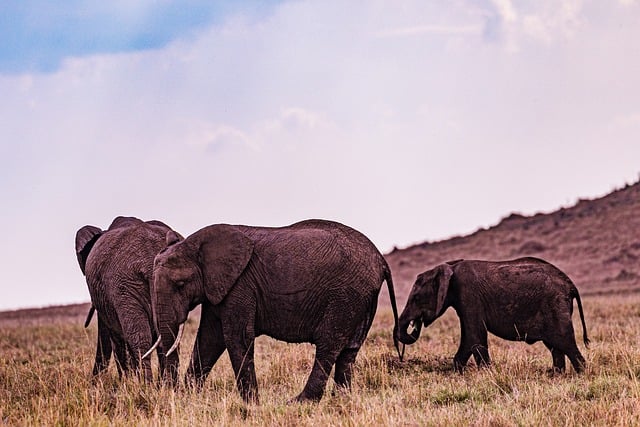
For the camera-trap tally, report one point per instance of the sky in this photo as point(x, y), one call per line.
point(407, 120)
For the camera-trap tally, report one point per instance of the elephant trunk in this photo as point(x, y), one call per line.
point(167, 328)
point(403, 335)
point(166, 338)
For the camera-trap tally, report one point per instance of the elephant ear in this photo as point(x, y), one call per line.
point(224, 254)
point(443, 277)
point(86, 237)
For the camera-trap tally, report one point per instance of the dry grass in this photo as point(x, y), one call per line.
point(44, 380)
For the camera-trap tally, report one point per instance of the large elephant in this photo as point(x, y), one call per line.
point(118, 265)
point(525, 299)
point(314, 281)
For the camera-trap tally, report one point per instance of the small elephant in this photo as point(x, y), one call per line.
point(526, 299)
point(314, 281)
point(118, 265)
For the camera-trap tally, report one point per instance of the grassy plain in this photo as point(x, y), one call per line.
point(45, 366)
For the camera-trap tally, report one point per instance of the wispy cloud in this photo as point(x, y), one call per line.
point(551, 21)
point(418, 30)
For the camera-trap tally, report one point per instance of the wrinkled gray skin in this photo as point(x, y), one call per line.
point(314, 281)
point(118, 265)
point(526, 299)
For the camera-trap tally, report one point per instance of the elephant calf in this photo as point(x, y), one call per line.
point(525, 299)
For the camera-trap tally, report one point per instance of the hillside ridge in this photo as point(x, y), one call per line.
point(595, 241)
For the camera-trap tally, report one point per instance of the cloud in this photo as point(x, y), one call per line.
point(548, 22)
point(430, 29)
point(403, 122)
point(628, 120)
point(212, 137)
point(506, 10)
point(294, 119)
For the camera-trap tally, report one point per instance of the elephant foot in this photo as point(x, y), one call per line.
point(192, 382)
point(303, 398)
point(458, 367)
point(340, 390)
point(250, 398)
point(555, 371)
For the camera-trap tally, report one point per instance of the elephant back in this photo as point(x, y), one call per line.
point(127, 252)
point(124, 221)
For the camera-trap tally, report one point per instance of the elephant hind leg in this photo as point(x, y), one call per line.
point(344, 368)
point(577, 360)
point(324, 361)
point(121, 353)
point(566, 345)
point(346, 358)
point(103, 349)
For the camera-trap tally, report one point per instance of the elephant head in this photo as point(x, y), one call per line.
point(204, 266)
point(426, 302)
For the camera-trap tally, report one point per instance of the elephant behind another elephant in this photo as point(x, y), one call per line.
point(526, 299)
point(118, 265)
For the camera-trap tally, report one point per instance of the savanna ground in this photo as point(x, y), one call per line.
point(45, 380)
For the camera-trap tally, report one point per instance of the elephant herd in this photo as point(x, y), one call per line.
point(314, 281)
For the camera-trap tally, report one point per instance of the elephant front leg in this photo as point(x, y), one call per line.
point(480, 353)
point(473, 341)
point(243, 366)
point(207, 349)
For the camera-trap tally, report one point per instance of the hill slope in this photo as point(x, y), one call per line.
point(596, 242)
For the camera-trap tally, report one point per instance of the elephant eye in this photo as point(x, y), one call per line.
point(179, 283)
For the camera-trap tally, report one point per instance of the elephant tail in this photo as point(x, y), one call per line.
point(575, 294)
point(394, 307)
point(89, 316)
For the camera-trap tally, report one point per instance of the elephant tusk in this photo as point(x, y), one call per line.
point(177, 341)
point(153, 347)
